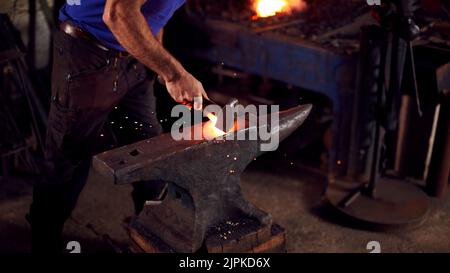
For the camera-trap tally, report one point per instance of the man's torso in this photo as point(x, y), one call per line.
point(87, 14)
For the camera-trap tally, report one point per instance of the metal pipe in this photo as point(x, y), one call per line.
point(438, 175)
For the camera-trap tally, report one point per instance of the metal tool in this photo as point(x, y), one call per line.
point(226, 118)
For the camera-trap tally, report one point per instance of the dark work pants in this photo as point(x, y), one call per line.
point(87, 83)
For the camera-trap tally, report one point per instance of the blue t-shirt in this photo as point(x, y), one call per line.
point(87, 14)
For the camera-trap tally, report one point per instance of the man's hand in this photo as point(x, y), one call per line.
point(126, 22)
point(187, 88)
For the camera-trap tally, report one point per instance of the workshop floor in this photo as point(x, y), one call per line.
point(292, 197)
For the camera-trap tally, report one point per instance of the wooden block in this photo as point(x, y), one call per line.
point(148, 242)
point(276, 244)
point(236, 236)
point(134, 248)
point(243, 236)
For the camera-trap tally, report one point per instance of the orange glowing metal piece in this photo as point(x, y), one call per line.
point(210, 131)
point(212, 118)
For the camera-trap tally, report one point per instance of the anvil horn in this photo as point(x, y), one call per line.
point(291, 119)
point(203, 180)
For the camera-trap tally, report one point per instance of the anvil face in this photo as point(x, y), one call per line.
point(203, 180)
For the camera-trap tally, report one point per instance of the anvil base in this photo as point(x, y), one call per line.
point(242, 236)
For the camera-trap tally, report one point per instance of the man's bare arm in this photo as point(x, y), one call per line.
point(160, 36)
point(127, 23)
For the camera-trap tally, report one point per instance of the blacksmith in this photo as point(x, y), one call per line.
point(106, 52)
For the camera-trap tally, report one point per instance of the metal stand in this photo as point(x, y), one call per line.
point(384, 50)
point(396, 203)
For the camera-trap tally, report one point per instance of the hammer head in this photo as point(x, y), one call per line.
point(232, 116)
point(226, 119)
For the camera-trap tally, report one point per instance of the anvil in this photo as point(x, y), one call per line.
point(203, 179)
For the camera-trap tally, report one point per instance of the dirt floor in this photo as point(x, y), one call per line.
point(293, 197)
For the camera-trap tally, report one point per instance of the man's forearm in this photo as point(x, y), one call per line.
point(127, 23)
point(130, 28)
point(160, 36)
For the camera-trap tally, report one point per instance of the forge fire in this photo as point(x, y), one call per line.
point(268, 8)
point(199, 127)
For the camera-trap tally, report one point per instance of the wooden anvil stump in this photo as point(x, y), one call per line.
point(242, 236)
point(203, 182)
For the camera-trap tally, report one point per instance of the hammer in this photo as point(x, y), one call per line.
point(221, 120)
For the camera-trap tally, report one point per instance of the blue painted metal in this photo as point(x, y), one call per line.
point(287, 59)
point(280, 57)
